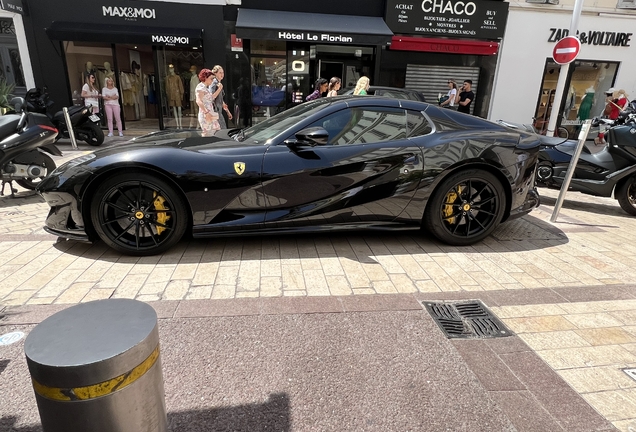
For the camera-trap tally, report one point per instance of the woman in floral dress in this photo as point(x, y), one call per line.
point(208, 118)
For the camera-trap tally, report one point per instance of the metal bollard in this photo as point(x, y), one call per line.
point(96, 367)
point(69, 127)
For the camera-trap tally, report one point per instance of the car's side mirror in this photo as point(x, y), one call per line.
point(313, 136)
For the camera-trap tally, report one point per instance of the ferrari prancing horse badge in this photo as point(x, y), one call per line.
point(239, 167)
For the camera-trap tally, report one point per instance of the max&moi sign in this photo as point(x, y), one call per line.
point(478, 19)
point(129, 13)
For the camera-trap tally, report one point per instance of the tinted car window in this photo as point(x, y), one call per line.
point(417, 124)
point(364, 125)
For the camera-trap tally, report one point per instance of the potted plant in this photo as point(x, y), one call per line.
point(6, 94)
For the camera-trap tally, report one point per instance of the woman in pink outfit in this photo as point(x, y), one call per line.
point(111, 106)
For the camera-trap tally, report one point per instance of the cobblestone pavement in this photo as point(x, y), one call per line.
point(590, 248)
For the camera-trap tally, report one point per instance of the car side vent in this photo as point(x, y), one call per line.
point(466, 320)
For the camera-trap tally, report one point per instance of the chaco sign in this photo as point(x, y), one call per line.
point(592, 37)
point(477, 19)
point(129, 13)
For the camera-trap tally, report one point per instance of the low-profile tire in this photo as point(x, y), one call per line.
point(95, 134)
point(626, 195)
point(465, 208)
point(138, 214)
point(31, 183)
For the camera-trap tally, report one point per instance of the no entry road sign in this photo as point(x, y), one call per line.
point(566, 50)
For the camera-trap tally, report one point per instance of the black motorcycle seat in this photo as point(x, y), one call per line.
point(8, 124)
point(59, 116)
point(551, 141)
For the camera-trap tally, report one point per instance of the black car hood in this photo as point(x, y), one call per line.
point(187, 140)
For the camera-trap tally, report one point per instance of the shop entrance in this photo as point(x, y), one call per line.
point(348, 63)
point(155, 84)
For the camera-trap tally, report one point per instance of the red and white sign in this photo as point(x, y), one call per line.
point(236, 43)
point(566, 50)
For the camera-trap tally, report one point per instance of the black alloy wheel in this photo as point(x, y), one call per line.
point(465, 208)
point(138, 214)
point(48, 166)
point(626, 195)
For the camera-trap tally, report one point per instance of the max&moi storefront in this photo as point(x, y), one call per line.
point(527, 77)
point(152, 50)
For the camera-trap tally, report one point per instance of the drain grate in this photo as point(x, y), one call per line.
point(466, 320)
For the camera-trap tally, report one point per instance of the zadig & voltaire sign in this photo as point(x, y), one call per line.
point(129, 13)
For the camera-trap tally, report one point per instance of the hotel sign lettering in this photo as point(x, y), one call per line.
point(448, 18)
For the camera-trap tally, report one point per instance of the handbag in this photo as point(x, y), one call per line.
point(442, 100)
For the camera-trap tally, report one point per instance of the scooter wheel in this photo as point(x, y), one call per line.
point(626, 195)
point(95, 135)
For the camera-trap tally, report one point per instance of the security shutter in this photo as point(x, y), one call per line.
point(433, 80)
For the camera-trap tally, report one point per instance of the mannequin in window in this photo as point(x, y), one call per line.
point(194, 81)
point(108, 72)
point(586, 104)
point(89, 69)
point(174, 94)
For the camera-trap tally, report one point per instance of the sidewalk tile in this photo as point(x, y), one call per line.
point(593, 320)
point(554, 340)
point(613, 404)
point(603, 355)
point(538, 324)
point(606, 336)
point(597, 379)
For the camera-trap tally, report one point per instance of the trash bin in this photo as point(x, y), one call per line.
point(96, 367)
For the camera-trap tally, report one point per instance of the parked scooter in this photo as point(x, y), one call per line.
point(85, 123)
point(25, 140)
point(608, 172)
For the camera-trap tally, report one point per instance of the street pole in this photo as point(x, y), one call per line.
point(563, 73)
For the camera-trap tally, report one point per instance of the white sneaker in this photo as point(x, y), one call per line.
point(121, 134)
point(110, 134)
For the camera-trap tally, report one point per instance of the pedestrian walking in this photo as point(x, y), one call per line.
point(219, 99)
point(362, 86)
point(208, 117)
point(448, 101)
point(91, 94)
point(334, 86)
point(320, 87)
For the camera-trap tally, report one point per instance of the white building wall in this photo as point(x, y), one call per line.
point(525, 49)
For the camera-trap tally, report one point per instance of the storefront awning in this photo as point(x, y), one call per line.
point(88, 32)
point(444, 46)
point(312, 28)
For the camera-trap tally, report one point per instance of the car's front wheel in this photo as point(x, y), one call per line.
point(138, 214)
point(465, 208)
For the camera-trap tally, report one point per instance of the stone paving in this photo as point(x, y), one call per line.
point(591, 245)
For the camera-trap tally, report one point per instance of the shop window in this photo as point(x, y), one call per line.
point(267, 47)
point(86, 59)
point(269, 87)
point(10, 62)
point(584, 96)
point(177, 78)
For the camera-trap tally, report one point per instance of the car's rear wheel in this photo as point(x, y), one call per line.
point(138, 214)
point(465, 208)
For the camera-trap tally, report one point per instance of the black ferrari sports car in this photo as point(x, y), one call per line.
point(338, 163)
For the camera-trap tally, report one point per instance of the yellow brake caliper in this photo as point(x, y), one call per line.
point(162, 217)
point(451, 197)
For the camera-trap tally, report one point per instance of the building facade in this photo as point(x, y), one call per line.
point(527, 75)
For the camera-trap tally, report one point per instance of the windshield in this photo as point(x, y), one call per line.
point(264, 132)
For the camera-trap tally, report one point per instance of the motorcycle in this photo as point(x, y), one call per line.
point(85, 123)
point(26, 140)
point(609, 172)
